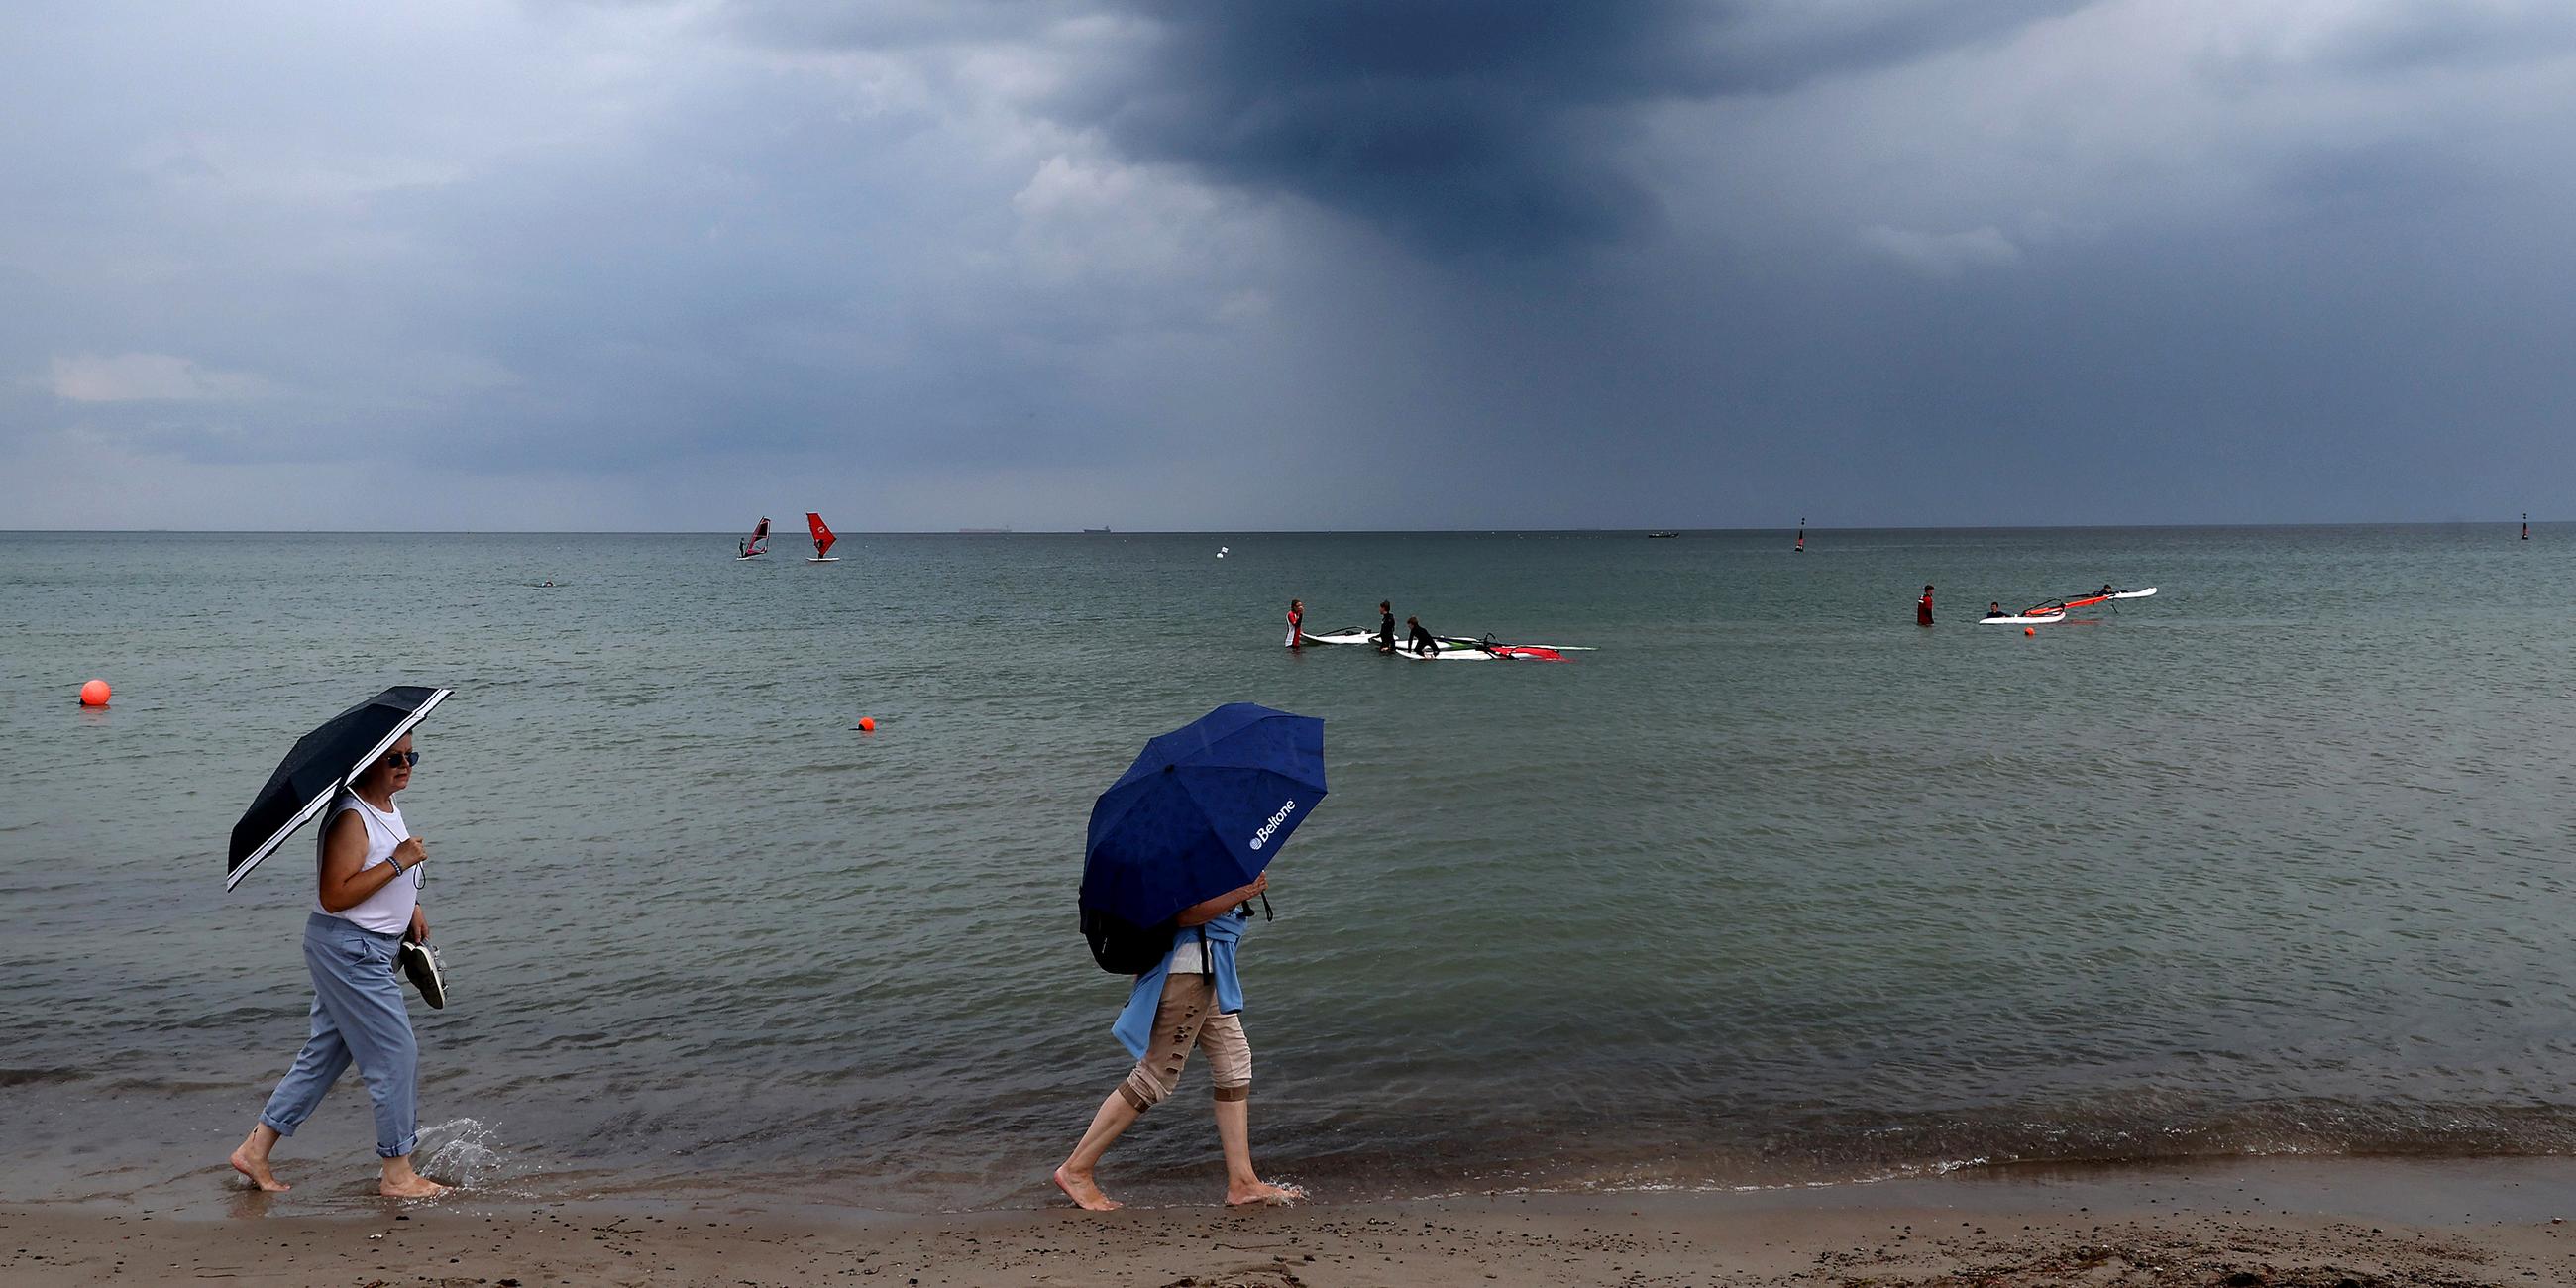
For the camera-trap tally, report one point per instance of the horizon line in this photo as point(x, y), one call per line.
point(1811, 529)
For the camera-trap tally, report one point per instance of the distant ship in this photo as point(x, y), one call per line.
point(1663, 534)
point(1097, 531)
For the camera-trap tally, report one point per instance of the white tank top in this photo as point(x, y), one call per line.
point(387, 911)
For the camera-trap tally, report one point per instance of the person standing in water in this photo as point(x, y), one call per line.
point(1296, 623)
point(366, 904)
point(1923, 611)
point(1385, 626)
point(1995, 608)
point(1192, 999)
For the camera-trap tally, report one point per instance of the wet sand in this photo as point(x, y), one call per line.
point(2320, 1223)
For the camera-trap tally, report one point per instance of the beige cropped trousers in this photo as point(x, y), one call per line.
point(1187, 1017)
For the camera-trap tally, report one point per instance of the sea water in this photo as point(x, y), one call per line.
point(1774, 887)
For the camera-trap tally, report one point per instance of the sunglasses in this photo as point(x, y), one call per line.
point(401, 759)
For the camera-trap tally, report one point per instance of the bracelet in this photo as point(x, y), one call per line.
point(395, 864)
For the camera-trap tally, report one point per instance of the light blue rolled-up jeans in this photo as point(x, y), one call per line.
point(358, 1014)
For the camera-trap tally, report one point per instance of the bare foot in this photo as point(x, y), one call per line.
point(1084, 1193)
point(408, 1184)
point(255, 1166)
point(1263, 1194)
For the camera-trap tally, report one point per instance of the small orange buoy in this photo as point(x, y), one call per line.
point(867, 724)
point(94, 693)
point(2030, 630)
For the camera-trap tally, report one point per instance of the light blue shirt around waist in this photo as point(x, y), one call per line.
point(1134, 1027)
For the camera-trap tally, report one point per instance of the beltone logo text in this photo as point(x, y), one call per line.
point(1262, 837)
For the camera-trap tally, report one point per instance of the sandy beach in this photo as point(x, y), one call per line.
point(2326, 1223)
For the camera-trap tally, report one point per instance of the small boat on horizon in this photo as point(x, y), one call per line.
point(1652, 535)
point(1097, 532)
point(750, 547)
point(823, 539)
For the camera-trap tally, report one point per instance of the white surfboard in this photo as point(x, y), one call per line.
point(1446, 655)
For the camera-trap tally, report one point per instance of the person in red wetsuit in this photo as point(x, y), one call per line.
point(1923, 611)
point(1297, 623)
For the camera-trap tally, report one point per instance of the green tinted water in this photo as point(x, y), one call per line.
point(1773, 886)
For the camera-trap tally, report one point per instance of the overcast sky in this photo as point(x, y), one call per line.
point(923, 264)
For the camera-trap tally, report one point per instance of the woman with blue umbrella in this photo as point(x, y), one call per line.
point(1177, 852)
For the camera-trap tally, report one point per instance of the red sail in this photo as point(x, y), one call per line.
point(758, 535)
point(823, 537)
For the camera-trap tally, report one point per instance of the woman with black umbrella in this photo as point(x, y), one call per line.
point(367, 902)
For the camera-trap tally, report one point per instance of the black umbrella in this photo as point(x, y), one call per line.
point(317, 766)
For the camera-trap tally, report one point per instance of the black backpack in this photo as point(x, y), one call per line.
point(1124, 948)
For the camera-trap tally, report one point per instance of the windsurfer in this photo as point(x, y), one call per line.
point(1995, 608)
point(1297, 624)
point(1418, 639)
point(1923, 610)
point(1385, 626)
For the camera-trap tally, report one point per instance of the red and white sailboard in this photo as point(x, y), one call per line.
point(751, 547)
point(823, 539)
point(2055, 610)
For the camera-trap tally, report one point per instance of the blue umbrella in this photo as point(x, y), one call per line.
point(1201, 811)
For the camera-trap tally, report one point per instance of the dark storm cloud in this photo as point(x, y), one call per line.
point(1466, 125)
point(1453, 125)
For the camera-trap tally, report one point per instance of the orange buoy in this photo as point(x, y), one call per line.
point(867, 724)
point(2030, 630)
point(94, 693)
